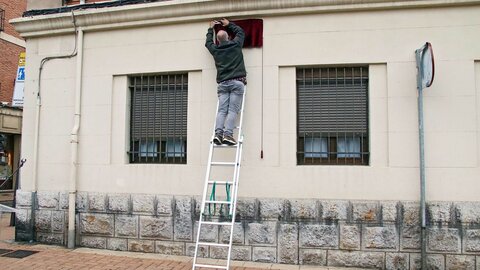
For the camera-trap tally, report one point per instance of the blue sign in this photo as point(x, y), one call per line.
point(21, 74)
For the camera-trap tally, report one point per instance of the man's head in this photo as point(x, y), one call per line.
point(222, 36)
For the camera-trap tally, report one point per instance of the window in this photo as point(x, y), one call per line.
point(332, 116)
point(158, 113)
point(2, 19)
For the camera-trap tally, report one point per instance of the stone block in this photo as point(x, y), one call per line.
point(117, 244)
point(472, 240)
point(334, 210)
point(303, 209)
point(389, 211)
point(146, 246)
point(126, 226)
point(365, 211)
point(23, 199)
point(156, 227)
point(238, 234)
point(355, 259)
point(439, 212)
point(143, 204)
point(434, 262)
point(288, 244)
point(264, 254)
point(81, 201)
point(261, 233)
point(443, 240)
point(118, 203)
point(468, 212)
point(58, 221)
point(43, 221)
point(101, 224)
point(170, 248)
point(349, 237)
point(97, 202)
point(272, 209)
point(411, 213)
point(241, 253)
point(209, 233)
point(218, 252)
point(246, 208)
point(22, 222)
point(478, 262)
point(93, 242)
point(410, 238)
point(190, 250)
point(50, 238)
point(380, 237)
point(312, 257)
point(315, 235)
point(397, 261)
point(460, 262)
point(47, 200)
point(183, 221)
point(63, 204)
point(165, 205)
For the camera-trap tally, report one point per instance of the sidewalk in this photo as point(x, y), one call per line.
point(53, 257)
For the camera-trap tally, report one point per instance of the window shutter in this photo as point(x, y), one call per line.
point(159, 107)
point(332, 100)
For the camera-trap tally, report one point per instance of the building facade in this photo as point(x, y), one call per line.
point(11, 47)
point(330, 172)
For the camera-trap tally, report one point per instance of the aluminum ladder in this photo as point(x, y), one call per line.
point(230, 204)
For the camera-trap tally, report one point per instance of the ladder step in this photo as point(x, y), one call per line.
point(216, 223)
point(210, 266)
point(213, 244)
point(219, 202)
point(220, 182)
point(223, 163)
point(225, 146)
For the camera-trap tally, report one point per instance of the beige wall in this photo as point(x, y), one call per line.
point(384, 40)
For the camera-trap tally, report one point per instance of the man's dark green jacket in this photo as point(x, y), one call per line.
point(228, 54)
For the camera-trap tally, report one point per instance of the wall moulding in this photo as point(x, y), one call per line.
point(182, 11)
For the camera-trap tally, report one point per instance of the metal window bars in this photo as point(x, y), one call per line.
point(158, 118)
point(2, 19)
point(332, 116)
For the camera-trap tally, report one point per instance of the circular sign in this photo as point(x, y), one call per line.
point(427, 65)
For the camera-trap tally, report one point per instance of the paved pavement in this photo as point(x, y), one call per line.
point(54, 257)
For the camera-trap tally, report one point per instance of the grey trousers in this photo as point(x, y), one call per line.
point(230, 96)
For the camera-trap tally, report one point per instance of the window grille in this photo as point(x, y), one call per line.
point(158, 119)
point(332, 116)
point(2, 19)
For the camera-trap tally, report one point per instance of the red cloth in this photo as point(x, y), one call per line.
point(253, 29)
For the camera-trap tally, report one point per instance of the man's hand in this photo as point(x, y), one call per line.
point(224, 22)
point(212, 23)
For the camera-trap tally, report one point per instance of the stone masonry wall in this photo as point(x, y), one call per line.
point(370, 234)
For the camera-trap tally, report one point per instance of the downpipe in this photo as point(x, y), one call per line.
point(74, 143)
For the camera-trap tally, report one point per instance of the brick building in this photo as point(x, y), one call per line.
point(11, 45)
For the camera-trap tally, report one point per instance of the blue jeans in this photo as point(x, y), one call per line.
point(230, 96)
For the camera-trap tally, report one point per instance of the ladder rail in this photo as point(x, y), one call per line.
point(204, 195)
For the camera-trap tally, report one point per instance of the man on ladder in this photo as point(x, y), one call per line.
point(231, 78)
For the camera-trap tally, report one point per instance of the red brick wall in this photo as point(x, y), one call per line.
point(8, 69)
point(9, 52)
point(13, 9)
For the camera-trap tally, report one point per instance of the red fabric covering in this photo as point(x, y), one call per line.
point(253, 29)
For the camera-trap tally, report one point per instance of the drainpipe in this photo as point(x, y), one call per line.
point(37, 124)
point(74, 143)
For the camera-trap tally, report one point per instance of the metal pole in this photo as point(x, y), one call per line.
point(419, 54)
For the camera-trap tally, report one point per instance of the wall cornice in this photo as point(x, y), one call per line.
point(182, 11)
